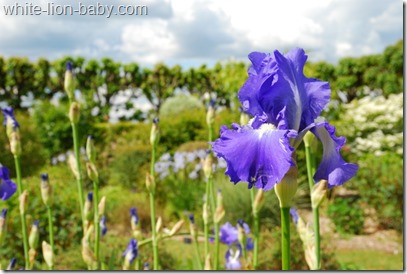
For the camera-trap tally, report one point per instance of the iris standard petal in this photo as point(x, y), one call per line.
point(7, 187)
point(228, 234)
point(332, 167)
point(260, 157)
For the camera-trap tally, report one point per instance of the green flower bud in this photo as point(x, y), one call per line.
point(34, 236)
point(207, 165)
point(90, 149)
point(46, 190)
point(205, 213)
point(158, 225)
point(150, 183)
point(177, 227)
point(220, 210)
point(73, 165)
point(318, 193)
point(210, 115)
point(15, 142)
point(74, 112)
point(23, 201)
point(88, 206)
point(287, 188)
point(48, 254)
point(92, 171)
point(69, 83)
point(101, 206)
point(155, 132)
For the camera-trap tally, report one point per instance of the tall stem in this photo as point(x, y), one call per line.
point(51, 233)
point(285, 237)
point(79, 179)
point(96, 221)
point(22, 214)
point(152, 208)
point(198, 253)
point(256, 230)
point(310, 159)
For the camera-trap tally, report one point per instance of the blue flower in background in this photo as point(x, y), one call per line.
point(103, 228)
point(285, 105)
point(294, 215)
point(7, 187)
point(229, 234)
point(134, 216)
point(131, 252)
point(8, 113)
point(232, 257)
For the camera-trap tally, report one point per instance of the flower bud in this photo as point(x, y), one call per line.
point(158, 225)
point(101, 206)
point(12, 264)
point(74, 112)
point(88, 256)
point(155, 132)
point(92, 172)
point(15, 142)
point(146, 266)
point(207, 164)
point(318, 193)
point(10, 121)
point(73, 165)
point(286, 189)
point(177, 227)
point(205, 213)
point(88, 206)
point(32, 253)
point(192, 226)
point(208, 262)
point(210, 115)
point(3, 216)
point(23, 201)
point(220, 211)
point(90, 149)
point(258, 201)
point(130, 254)
point(308, 138)
point(69, 83)
point(102, 223)
point(150, 183)
point(48, 254)
point(46, 190)
point(310, 256)
point(34, 235)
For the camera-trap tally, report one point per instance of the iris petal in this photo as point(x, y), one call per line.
point(7, 187)
point(332, 167)
point(260, 157)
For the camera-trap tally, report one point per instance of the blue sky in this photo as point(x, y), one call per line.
point(194, 32)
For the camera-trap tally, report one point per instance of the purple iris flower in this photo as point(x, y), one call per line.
point(3, 213)
point(131, 252)
point(7, 187)
point(103, 228)
point(90, 196)
point(285, 105)
point(294, 214)
point(12, 264)
point(8, 113)
point(229, 234)
point(134, 216)
point(232, 257)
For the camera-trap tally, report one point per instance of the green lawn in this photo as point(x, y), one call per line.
point(370, 260)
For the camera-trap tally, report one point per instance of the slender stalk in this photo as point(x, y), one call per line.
point(96, 221)
point(206, 222)
point(285, 237)
point(256, 230)
point(152, 208)
point(51, 233)
point(310, 159)
point(79, 180)
point(22, 214)
point(198, 253)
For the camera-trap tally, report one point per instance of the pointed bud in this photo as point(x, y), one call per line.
point(12, 264)
point(150, 183)
point(205, 213)
point(102, 224)
point(310, 257)
point(208, 262)
point(69, 83)
point(177, 227)
point(92, 171)
point(32, 253)
point(73, 165)
point(46, 190)
point(74, 112)
point(23, 201)
point(48, 254)
point(220, 211)
point(192, 226)
point(207, 164)
point(90, 149)
point(241, 234)
point(34, 235)
point(258, 201)
point(318, 193)
point(101, 206)
point(210, 115)
point(15, 142)
point(286, 189)
point(158, 225)
point(3, 225)
point(88, 206)
point(155, 132)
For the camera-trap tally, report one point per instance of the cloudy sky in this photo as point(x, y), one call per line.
point(193, 32)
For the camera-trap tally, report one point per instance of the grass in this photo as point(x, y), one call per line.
point(370, 260)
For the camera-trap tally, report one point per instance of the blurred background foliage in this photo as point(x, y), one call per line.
point(366, 108)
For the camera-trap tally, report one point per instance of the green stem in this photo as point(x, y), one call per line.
point(217, 246)
point(22, 214)
point(79, 180)
point(51, 233)
point(285, 237)
point(152, 208)
point(96, 221)
point(198, 253)
point(256, 230)
point(310, 160)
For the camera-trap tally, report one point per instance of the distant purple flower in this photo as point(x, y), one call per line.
point(285, 105)
point(232, 258)
point(191, 218)
point(8, 113)
point(12, 264)
point(229, 234)
point(90, 196)
point(131, 252)
point(103, 228)
point(146, 266)
point(69, 66)
point(3, 213)
point(44, 177)
point(294, 215)
point(36, 223)
point(134, 216)
point(7, 187)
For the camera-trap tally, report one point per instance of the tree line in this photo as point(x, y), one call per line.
point(100, 81)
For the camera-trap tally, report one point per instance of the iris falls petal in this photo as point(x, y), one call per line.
point(260, 157)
